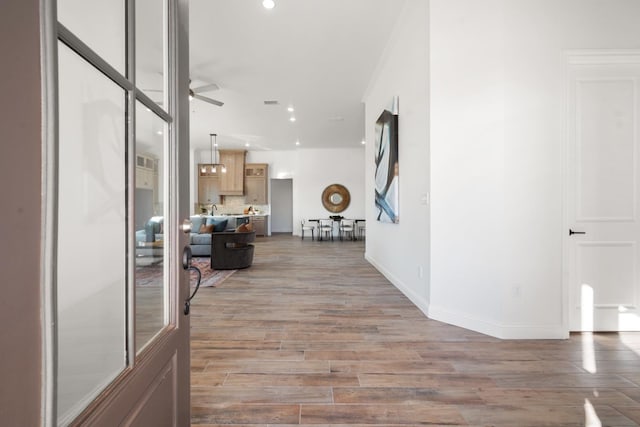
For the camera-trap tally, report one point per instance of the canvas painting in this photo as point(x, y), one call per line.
point(387, 168)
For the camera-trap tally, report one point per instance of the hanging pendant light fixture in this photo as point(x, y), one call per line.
point(214, 157)
point(211, 137)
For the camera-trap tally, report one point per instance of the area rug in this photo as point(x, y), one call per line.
point(150, 275)
point(210, 277)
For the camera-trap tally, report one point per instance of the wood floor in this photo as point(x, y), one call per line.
point(311, 334)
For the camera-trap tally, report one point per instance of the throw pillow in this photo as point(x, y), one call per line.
point(218, 225)
point(243, 228)
point(206, 229)
point(196, 222)
point(149, 231)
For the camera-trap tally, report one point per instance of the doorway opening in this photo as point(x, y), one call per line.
point(282, 205)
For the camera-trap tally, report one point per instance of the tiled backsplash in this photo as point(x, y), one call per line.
point(234, 205)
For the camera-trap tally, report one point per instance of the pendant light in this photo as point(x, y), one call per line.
point(214, 157)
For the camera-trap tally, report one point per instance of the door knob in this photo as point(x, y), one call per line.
point(186, 226)
point(571, 232)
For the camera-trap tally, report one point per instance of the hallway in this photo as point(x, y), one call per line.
point(312, 334)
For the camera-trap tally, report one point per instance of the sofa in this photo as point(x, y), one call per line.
point(202, 226)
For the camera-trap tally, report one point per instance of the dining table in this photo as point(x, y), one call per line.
point(337, 219)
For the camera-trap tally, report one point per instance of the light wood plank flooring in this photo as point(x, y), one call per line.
point(311, 334)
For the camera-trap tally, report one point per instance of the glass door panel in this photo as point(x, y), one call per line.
point(100, 25)
point(91, 244)
point(150, 269)
point(151, 49)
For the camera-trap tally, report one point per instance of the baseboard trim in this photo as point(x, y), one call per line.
point(417, 300)
point(483, 326)
point(497, 330)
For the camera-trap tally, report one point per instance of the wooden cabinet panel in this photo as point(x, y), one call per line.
point(256, 180)
point(256, 170)
point(146, 172)
point(232, 182)
point(208, 191)
point(145, 178)
point(259, 225)
point(255, 192)
point(208, 186)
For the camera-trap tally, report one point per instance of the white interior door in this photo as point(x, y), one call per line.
point(602, 192)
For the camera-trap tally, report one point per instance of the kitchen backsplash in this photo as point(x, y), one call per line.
point(237, 205)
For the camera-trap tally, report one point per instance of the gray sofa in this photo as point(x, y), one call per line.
point(200, 243)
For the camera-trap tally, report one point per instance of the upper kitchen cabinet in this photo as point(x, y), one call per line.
point(256, 180)
point(146, 172)
point(232, 182)
point(208, 185)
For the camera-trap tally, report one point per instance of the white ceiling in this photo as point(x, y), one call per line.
point(315, 55)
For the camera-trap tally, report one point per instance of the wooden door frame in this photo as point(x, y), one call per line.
point(21, 158)
point(158, 365)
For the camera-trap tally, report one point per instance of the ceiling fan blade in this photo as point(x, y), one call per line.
point(209, 100)
point(206, 88)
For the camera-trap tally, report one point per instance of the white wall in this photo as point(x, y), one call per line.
point(318, 168)
point(312, 170)
point(401, 251)
point(498, 97)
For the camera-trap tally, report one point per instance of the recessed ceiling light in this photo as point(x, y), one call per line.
point(363, 142)
point(297, 142)
point(290, 109)
point(292, 119)
point(247, 144)
point(159, 132)
point(268, 4)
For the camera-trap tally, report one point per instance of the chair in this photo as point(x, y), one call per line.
point(361, 229)
point(307, 226)
point(231, 250)
point(347, 229)
point(325, 229)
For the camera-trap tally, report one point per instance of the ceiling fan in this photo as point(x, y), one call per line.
point(195, 93)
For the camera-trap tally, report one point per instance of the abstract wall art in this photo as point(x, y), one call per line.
point(387, 168)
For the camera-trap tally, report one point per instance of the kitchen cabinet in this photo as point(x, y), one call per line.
point(232, 182)
point(256, 179)
point(208, 186)
point(259, 223)
point(146, 172)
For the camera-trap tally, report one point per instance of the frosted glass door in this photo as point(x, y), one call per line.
point(150, 267)
point(91, 245)
point(100, 24)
